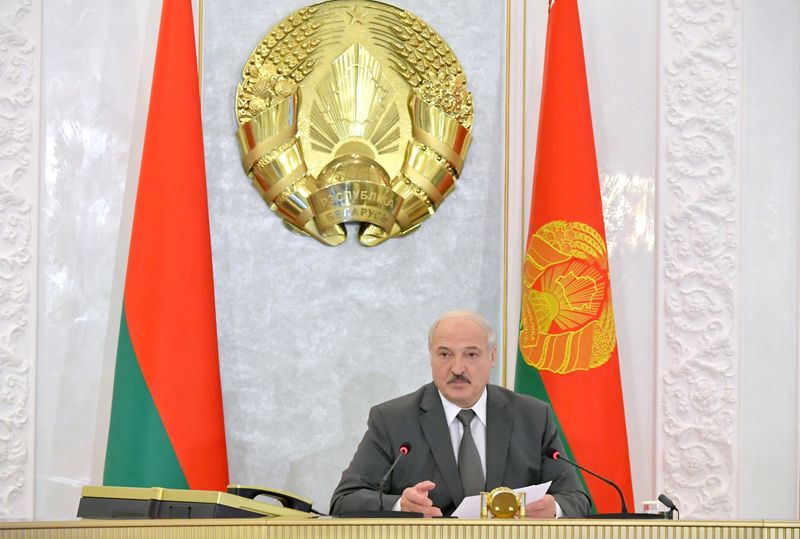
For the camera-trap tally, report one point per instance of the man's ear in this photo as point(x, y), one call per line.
point(494, 356)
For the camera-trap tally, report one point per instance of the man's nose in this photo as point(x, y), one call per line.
point(457, 366)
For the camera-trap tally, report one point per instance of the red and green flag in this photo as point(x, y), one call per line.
point(167, 425)
point(567, 343)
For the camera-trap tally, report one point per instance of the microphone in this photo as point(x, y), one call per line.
point(405, 449)
point(670, 505)
point(553, 453)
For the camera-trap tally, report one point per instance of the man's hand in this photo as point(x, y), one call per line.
point(544, 508)
point(416, 499)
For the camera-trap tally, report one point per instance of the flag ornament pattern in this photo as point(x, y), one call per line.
point(567, 319)
point(167, 427)
point(567, 353)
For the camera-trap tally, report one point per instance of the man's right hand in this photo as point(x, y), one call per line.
point(416, 499)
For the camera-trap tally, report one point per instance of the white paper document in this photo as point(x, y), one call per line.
point(470, 507)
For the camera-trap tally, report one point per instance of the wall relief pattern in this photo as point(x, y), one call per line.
point(19, 66)
point(700, 197)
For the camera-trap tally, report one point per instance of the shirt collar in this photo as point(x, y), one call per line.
point(451, 410)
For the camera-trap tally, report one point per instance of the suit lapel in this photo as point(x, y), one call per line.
point(498, 434)
point(434, 426)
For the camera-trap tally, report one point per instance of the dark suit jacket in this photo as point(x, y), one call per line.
point(518, 428)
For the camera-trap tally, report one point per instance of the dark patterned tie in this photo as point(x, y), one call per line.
point(469, 461)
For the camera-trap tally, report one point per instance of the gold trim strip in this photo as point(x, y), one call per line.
point(504, 372)
point(524, 237)
point(391, 529)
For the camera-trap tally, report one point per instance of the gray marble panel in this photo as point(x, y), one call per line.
point(311, 336)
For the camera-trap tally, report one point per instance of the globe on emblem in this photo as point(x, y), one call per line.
point(354, 188)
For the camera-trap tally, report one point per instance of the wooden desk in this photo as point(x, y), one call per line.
point(329, 528)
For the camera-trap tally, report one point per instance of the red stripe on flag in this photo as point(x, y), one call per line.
point(169, 289)
point(588, 403)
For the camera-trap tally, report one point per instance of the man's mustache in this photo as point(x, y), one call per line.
point(458, 378)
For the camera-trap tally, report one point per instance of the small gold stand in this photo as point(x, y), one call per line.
point(502, 502)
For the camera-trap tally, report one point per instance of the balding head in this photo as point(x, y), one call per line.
point(491, 336)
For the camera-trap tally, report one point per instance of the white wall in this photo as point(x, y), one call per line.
point(92, 63)
point(300, 325)
point(769, 264)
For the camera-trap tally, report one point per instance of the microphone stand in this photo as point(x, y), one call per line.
point(624, 515)
point(601, 478)
point(382, 513)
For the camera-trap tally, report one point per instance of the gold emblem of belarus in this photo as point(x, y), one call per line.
point(353, 111)
point(503, 502)
point(567, 319)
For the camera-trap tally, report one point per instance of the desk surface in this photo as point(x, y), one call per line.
point(333, 528)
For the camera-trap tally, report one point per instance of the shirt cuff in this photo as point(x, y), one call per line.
point(396, 506)
point(559, 511)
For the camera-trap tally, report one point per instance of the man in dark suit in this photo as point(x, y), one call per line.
point(503, 447)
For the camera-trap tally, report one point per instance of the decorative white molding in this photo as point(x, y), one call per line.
point(699, 203)
point(20, 31)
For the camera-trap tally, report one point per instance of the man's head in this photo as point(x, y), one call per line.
point(463, 349)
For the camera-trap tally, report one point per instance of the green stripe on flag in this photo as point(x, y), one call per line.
point(528, 381)
point(139, 452)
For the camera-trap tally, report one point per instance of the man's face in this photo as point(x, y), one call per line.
point(460, 360)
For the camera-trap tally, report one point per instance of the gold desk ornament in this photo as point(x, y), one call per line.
point(502, 502)
point(353, 111)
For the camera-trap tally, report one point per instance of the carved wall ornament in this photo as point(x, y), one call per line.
point(353, 111)
point(18, 177)
point(700, 203)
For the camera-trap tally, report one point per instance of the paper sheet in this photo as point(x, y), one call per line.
point(470, 507)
